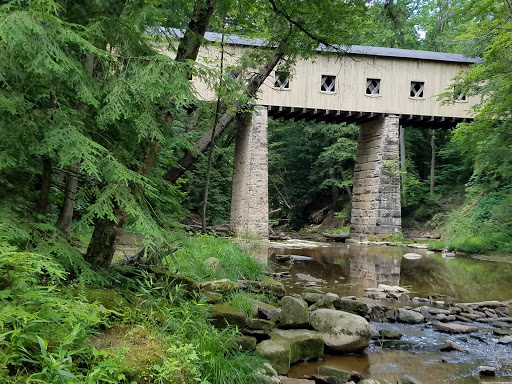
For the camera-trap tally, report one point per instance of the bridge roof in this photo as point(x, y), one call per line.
point(353, 49)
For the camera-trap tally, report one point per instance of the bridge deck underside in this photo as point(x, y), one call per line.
point(339, 116)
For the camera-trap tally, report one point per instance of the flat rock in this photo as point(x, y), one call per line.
point(406, 379)
point(289, 380)
point(412, 256)
point(505, 340)
point(223, 315)
point(389, 334)
point(454, 328)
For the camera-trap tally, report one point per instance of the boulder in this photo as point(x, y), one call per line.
point(214, 264)
point(454, 328)
point(294, 313)
point(266, 375)
point(505, 340)
point(222, 286)
point(485, 370)
point(305, 344)
point(223, 315)
point(213, 297)
point(244, 343)
point(257, 305)
point(353, 306)
point(326, 301)
point(312, 297)
point(342, 332)
point(277, 353)
point(267, 286)
point(261, 324)
point(288, 346)
point(268, 313)
point(409, 317)
point(289, 380)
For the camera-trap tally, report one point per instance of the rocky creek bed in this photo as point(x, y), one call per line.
point(432, 347)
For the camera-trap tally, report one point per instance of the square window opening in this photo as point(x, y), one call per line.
point(459, 94)
point(235, 75)
point(417, 88)
point(373, 87)
point(328, 84)
point(282, 80)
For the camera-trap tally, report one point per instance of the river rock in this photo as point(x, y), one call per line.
point(389, 334)
point(505, 340)
point(266, 375)
point(223, 315)
point(409, 317)
point(327, 371)
point(261, 324)
point(277, 353)
point(485, 370)
point(268, 286)
point(406, 379)
point(288, 346)
point(412, 256)
point(312, 297)
point(454, 328)
point(289, 380)
point(342, 332)
point(294, 313)
point(353, 306)
point(451, 346)
point(324, 302)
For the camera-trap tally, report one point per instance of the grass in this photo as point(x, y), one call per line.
point(237, 263)
point(436, 244)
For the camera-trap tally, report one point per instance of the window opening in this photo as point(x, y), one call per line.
point(328, 83)
point(461, 96)
point(417, 88)
point(282, 80)
point(233, 74)
point(372, 86)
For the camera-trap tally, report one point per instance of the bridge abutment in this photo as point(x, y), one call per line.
point(249, 198)
point(376, 192)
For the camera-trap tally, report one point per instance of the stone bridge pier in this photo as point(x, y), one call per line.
point(376, 191)
point(249, 197)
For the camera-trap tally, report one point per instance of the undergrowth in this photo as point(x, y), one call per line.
point(137, 328)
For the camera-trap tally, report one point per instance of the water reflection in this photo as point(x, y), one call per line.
point(349, 269)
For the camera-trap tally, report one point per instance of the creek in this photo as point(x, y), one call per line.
point(347, 269)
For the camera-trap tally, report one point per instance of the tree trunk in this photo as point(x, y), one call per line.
point(107, 232)
point(402, 165)
point(44, 193)
point(102, 246)
point(212, 142)
point(227, 118)
point(68, 206)
point(432, 162)
point(347, 187)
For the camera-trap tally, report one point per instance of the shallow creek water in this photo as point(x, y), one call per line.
point(348, 269)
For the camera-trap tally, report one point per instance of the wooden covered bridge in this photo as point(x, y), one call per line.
point(380, 89)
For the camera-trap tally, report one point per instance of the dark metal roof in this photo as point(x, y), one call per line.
point(353, 49)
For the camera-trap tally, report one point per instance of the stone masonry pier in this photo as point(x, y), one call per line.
point(376, 191)
point(249, 199)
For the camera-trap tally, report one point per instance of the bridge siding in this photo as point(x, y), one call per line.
point(351, 72)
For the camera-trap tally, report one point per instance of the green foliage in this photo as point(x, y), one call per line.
point(306, 163)
point(236, 263)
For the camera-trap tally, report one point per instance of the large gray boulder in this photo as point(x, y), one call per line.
point(294, 313)
point(342, 332)
point(407, 316)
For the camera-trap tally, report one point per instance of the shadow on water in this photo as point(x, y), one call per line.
point(348, 269)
